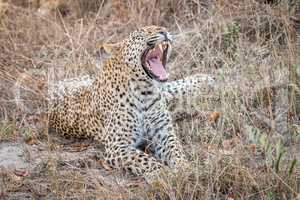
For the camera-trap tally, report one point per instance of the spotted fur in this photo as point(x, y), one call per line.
point(125, 109)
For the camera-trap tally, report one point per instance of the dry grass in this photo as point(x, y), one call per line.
point(251, 47)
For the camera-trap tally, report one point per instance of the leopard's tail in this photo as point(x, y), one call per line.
point(30, 93)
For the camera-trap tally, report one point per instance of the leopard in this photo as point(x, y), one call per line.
point(125, 106)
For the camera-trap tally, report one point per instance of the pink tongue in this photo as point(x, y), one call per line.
point(157, 68)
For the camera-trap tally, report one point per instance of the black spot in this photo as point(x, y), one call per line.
point(158, 148)
point(129, 169)
point(113, 162)
point(153, 102)
point(129, 113)
point(160, 128)
point(165, 139)
point(146, 93)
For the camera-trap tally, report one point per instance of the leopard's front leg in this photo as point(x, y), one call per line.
point(184, 95)
point(163, 140)
point(121, 153)
point(190, 88)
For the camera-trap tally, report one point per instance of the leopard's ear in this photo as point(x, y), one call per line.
point(108, 49)
point(104, 51)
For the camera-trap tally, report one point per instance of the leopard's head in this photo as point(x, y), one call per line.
point(148, 48)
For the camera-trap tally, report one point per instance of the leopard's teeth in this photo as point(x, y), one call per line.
point(165, 45)
point(160, 46)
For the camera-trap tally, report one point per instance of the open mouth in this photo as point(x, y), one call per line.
point(154, 61)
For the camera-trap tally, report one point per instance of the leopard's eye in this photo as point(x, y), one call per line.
point(152, 40)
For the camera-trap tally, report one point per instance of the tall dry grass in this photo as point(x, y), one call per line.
point(251, 47)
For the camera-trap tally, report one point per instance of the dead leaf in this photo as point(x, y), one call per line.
point(40, 84)
point(79, 147)
point(136, 184)
point(32, 140)
point(230, 143)
point(253, 148)
point(212, 148)
point(104, 164)
point(16, 178)
point(159, 184)
point(213, 118)
point(21, 173)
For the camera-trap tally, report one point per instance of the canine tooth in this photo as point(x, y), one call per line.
point(161, 47)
